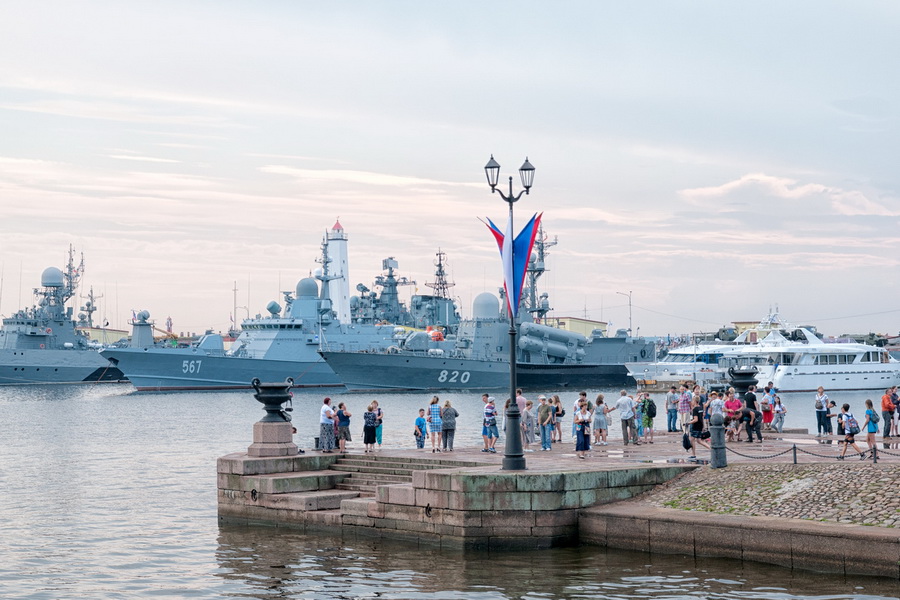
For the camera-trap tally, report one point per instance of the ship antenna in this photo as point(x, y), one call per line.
point(441, 285)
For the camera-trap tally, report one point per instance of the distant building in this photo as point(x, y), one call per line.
point(583, 326)
point(104, 335)
point(742, 326)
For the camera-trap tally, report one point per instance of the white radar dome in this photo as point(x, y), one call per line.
point(486, 306)
point(307, 287)
point(52, 277)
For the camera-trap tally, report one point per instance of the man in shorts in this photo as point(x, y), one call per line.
point(489, 430)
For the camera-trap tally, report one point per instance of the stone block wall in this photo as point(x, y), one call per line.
point(486, 507)
point(791, 543)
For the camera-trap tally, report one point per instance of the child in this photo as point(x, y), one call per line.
point(849, 421)
point(830, 413)
point(420, 430)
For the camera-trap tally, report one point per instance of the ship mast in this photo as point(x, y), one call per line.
point(89, 308)
point(538, 306)
point(72, 275)
point(389, 308)
point(440, 285)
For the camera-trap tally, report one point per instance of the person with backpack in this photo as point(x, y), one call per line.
point(649, 414)
point(870, 424)
point(821, 410)
point(851, 428)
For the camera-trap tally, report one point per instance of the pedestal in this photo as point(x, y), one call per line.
point(272, 439)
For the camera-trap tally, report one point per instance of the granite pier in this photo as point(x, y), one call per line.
point(454, 503)
point(820, 514)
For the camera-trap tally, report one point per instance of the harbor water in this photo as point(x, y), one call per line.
point(109, 493)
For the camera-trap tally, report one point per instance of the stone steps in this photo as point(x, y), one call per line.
point(365, 473)
point(364, 490)
point(395, 462)
point(373, 470)
point(313, 488)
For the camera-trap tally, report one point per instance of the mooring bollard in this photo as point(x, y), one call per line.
point(717, 458)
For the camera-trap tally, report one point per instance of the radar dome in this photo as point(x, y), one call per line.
point(143, 316)
point(486, 306)
point(52, 277)
point(273, 307)
point(307, 287)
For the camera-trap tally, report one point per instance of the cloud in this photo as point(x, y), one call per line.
point(93, 108)
point(843, 202)
point(360, 177)
point(141, 158)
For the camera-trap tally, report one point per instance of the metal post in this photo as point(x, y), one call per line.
point(717, 457)
point(794, 449)
point(875, 454)
point(513, 453)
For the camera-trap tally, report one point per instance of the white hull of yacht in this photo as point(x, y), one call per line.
point(808, 378)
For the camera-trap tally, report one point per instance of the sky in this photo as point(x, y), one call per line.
point(714, 160)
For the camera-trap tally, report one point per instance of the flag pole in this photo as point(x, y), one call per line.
point(513, 454)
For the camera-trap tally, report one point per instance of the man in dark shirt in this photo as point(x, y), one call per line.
point(753, 420)
point(696, 426)
point(750, 398)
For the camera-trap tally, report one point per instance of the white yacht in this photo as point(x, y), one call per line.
point(706, 363)
point(795, 360)
point(803, 365)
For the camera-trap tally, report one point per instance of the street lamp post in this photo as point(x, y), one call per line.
point(628, 295)
point(513, 455)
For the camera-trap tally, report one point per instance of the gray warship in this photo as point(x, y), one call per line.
point(476, 356)
point(319, 313)
point(41, 344)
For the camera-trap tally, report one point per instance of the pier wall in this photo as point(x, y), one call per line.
point(792, 543)
point(485, 507)
point(463, 507)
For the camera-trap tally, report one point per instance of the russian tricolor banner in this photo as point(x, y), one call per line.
point(515, 252)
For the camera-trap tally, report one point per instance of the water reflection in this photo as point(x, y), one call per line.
point(283, 563)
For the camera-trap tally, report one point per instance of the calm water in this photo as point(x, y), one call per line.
point(111, 494)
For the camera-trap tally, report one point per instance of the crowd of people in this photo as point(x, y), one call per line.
point(688, 411)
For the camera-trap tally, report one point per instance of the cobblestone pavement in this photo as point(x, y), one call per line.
point(860, 493)
point(666, 447)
